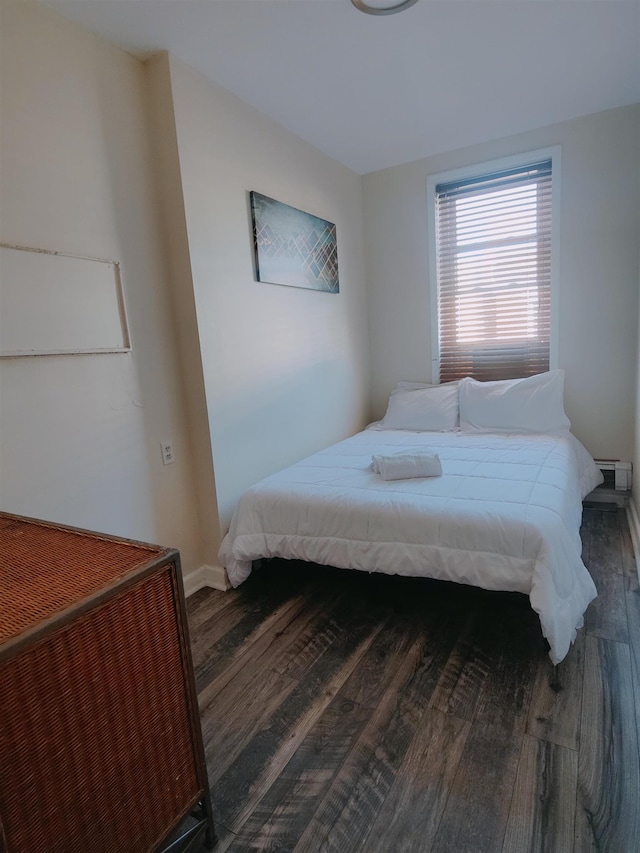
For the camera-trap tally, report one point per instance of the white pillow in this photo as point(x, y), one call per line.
point(531, 405)
point(430, 409)
point(413, 386)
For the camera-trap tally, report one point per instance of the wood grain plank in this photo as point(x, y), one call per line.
point(460, 686)
point(208, 625)
point(364, 749)
point(542, 813)
point(606, 551)
point(484, 784)
point(251, 637)
point(629, 564)
point(632, 599)
point(282, 815)
point(427, 622)
point(309, 620)
point(245, 695)
point(610, 516)
point(310, 643)
point(343, 818)
point(204, 604)
point(209, 632)
point(585, 538)
point(239, 713)
point(231, 626)
point(554, 713)
point(411, 812)
point(211, 636)
point(376, 670)
point(607, 814)
point(249, 777)
point(499, 619)
point(591, 517)
point(278, 819)
point(606, 616)
point(489, 763)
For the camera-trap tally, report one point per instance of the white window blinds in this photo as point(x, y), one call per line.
point(494, 274)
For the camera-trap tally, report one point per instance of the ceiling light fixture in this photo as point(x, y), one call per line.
point(382, 7)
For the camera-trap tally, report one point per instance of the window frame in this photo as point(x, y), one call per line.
point(475, 170)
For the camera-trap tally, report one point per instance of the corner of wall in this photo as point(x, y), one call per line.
point(284, 369)
point(164, 145)
point(212, 577)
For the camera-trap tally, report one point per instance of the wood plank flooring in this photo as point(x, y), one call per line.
point(344, 712)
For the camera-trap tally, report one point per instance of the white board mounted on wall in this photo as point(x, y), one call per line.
point(57, 304)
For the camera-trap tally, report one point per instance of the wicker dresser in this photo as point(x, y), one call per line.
point(100, 742)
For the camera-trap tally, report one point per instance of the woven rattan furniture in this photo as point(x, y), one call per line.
point(100, 742)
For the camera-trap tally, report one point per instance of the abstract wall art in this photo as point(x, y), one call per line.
point(293, 247)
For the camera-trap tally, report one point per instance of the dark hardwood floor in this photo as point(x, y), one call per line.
point(343, 711)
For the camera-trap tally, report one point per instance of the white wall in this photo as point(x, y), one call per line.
point(598, 275)
point(169, 183)
point(285, 369)
point(80, 435)
point(269, 374)
point(253, 377)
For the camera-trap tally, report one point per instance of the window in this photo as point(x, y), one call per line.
point(493, 251)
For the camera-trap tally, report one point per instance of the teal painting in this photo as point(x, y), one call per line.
point(293, 247)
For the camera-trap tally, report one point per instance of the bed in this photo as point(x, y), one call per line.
point(504, 514)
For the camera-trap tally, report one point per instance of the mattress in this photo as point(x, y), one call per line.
point(504, 515)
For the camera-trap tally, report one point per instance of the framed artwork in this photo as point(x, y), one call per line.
point(293, 247)
point(57, 304)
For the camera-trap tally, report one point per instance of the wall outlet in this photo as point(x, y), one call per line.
point(167, 452)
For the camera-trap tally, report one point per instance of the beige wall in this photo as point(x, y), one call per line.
point(80, 435)
point(168, 179)
point(285, 369)
point(598, 269)
point(243, 377)
point(247, 377)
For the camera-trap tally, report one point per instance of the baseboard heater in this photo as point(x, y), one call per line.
point(617, 474)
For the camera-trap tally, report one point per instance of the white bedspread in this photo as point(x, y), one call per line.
point(504, 515)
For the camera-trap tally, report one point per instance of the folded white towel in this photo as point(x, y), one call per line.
point(406, 464)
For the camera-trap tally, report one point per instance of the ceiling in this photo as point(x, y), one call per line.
point(372, 92)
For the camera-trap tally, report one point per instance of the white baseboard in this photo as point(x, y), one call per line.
point(211, 576)
point(216, 577)
point(634, 529)
point(194, 581)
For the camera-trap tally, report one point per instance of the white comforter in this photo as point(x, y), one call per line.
point(504, 515)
